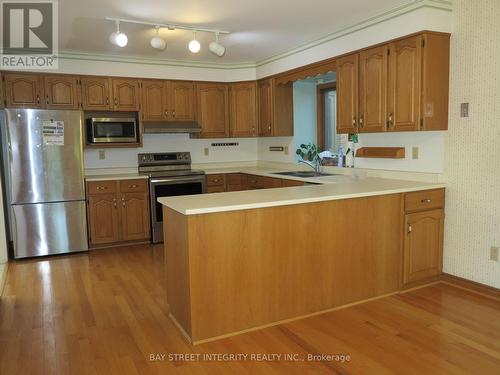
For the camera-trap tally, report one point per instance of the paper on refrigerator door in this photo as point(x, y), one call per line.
point(53, 133)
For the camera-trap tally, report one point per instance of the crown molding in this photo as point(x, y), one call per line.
point(444, 5)
point(382, 17)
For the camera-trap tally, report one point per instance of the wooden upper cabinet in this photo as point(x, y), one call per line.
point(282, 100)
point(181, 101)
point(95, 93)
point(213, 109)
point(62, 92)
point(423, 245)
point(23, 90)
point(347, 93)
point(154, 100)
point(265, 95)
point(243, 109)
point(404, 89)
point(125, 94)
point(372, 90)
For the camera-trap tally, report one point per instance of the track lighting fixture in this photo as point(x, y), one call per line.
point(194, 46)
point(118, 38)
point(157, 41)
point(216, 48)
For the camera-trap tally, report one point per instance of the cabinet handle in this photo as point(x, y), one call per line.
point(116, 101)
point(114, 202)
point(173, 113)
point(389, 120)
point(354, 122)
point(166, 113)
point(409, 228)
point(47, 100)
point(38, 99)
point(123, 201)
point(107, 101)
point(132, 186)
point(426, 200)
point(361, 121)
point(269, 128)
point(102, 187)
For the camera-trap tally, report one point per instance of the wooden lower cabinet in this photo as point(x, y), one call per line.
point(117, 211)
point(423, 236)
point(219, 183)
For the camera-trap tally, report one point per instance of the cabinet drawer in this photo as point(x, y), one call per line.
point(216, 189)
point(424, 200)
point(101, 187)
point(216, 180)
point(134, 186)
point(255, 182)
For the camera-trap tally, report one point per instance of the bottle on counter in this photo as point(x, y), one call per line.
point(340, 156)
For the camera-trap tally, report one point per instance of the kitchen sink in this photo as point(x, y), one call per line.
point(305, 174)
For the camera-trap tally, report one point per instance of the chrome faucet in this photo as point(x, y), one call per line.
point(315, 164)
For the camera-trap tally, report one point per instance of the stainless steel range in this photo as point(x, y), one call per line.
point(170, 174)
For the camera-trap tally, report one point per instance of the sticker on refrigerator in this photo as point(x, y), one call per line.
point(53, 133)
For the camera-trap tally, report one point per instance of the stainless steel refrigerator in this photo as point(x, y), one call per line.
point(44, 183)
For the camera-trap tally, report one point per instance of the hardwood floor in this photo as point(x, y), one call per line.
point(106, 313)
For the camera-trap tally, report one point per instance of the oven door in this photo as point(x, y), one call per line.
point(170, 187)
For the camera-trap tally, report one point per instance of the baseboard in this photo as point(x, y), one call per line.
point(485, 290)
point(3, 276)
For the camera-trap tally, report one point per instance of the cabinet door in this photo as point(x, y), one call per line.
point(213, 111)
point(125, 94)
point(23, 91)
point(404, 90)
point(373, 90)
point(282, 99)
point(423, 247)
point(347, 94)
point(134, 216)
point(61, 92)
point(95, 93)
point(154, 100)
point(182, 99)
point(265, 97)
point(243, 109)
point(103, 219)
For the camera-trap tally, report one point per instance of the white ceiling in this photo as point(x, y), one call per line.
point(259, 28)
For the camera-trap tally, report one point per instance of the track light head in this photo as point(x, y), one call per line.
point(216, 48)
point(157, 41)
point(194, 46)
point(118, 38)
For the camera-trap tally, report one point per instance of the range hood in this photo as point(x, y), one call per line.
point(159, 127)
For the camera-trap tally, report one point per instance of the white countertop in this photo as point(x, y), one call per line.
point(120, 176)
point(332, 188)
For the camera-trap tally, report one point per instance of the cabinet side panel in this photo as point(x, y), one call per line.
point(175, 229)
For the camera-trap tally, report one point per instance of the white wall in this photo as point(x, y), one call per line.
point(121, 158)
point(472, 166)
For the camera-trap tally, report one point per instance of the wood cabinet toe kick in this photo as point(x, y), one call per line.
point(233, 272)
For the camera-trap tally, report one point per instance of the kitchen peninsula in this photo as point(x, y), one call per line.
point(243, 260)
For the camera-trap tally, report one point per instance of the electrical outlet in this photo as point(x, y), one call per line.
point(494, 253)
point(205, 151)
point(286, 150)
point(102, 154)
point(464, 109)
point(414, 153)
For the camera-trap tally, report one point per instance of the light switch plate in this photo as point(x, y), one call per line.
point(414, 153)
point(464, 110)
point(286, 150)
point(494, 253)
point(205, 151)
point(102, 154)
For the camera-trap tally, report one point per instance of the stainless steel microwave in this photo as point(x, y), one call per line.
point(111, 130)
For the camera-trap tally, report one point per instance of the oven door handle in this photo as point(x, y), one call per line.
point(177, 180)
